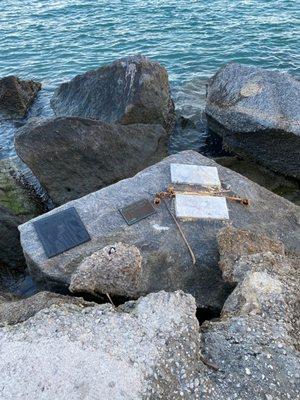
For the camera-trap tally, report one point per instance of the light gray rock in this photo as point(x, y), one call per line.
point(74, 156)
point(144, 350)
point(116, 270)
point(130, 90)
point(166, 262)
point(16, 96)
point(257, 112)
point(16, 310)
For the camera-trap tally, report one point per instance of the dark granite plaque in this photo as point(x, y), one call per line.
point(61, 231)
point(137, 211)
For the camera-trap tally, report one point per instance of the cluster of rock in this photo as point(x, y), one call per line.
point(104, 150)
point(153, 348)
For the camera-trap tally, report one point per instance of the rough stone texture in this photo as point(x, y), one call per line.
point(16, 96)
point(144, 350)
point(152, 348)
point(75, 156)
point(16, 207)
point(115, 270)
point(234, 243)
point(128, 91)
point(257, 112)
point(18, 310)
point(166, 263)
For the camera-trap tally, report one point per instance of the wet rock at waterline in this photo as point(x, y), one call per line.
point(257, 113)
point(16, 207)
point(166, 261)
point(116, 270)
point(75, 156)
point(131, 90)
point(16, 96)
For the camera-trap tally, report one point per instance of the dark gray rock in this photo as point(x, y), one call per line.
point(166, 261)
point(257, 112)
point(129, 91)
point(75, 156)
point(16, 96)
point(16, 207)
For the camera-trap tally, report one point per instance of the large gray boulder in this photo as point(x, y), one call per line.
point(166, 262)
point(131, 90)
point(16, 207)
point(16, 96)
point(257, 113)
point(75, 156)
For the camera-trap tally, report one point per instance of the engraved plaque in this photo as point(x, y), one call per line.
point(61, 232)
point(137, 211)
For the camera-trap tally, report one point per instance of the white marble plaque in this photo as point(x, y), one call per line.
point(191, 206)
point(195, 175)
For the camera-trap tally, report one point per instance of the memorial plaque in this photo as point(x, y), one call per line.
point(137, 211)
point(61, 232)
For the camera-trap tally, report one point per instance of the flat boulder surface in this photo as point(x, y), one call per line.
point(257, 112)
point(166, 261)
point(75, 156)
point(16, 96)
point(131, 90)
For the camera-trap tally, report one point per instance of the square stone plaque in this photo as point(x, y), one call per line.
point(200, 207)
point(195, 175)
point(137, 211)
point(61, 232)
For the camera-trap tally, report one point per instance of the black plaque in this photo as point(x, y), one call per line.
point(137, 211)
point(61, 232)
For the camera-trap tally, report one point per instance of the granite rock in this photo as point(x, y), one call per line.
point(16, 96)
point(166, 261)
point(257, 114)
point(129, 91)
point(72, 156)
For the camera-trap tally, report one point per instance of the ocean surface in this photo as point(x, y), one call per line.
point(52, 41)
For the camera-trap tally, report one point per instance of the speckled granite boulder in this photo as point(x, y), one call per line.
point(75, 156)
point(142, 350)
point(116, 270)
point(166, 262)
point(257, 112)
point(16, 96)
point(129, 91)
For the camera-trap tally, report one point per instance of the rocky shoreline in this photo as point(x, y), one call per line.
point(107, 147)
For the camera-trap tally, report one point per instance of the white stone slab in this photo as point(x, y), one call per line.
point(189, 206)
point(195, 175)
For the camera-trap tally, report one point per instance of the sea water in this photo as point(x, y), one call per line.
point(52, 41)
